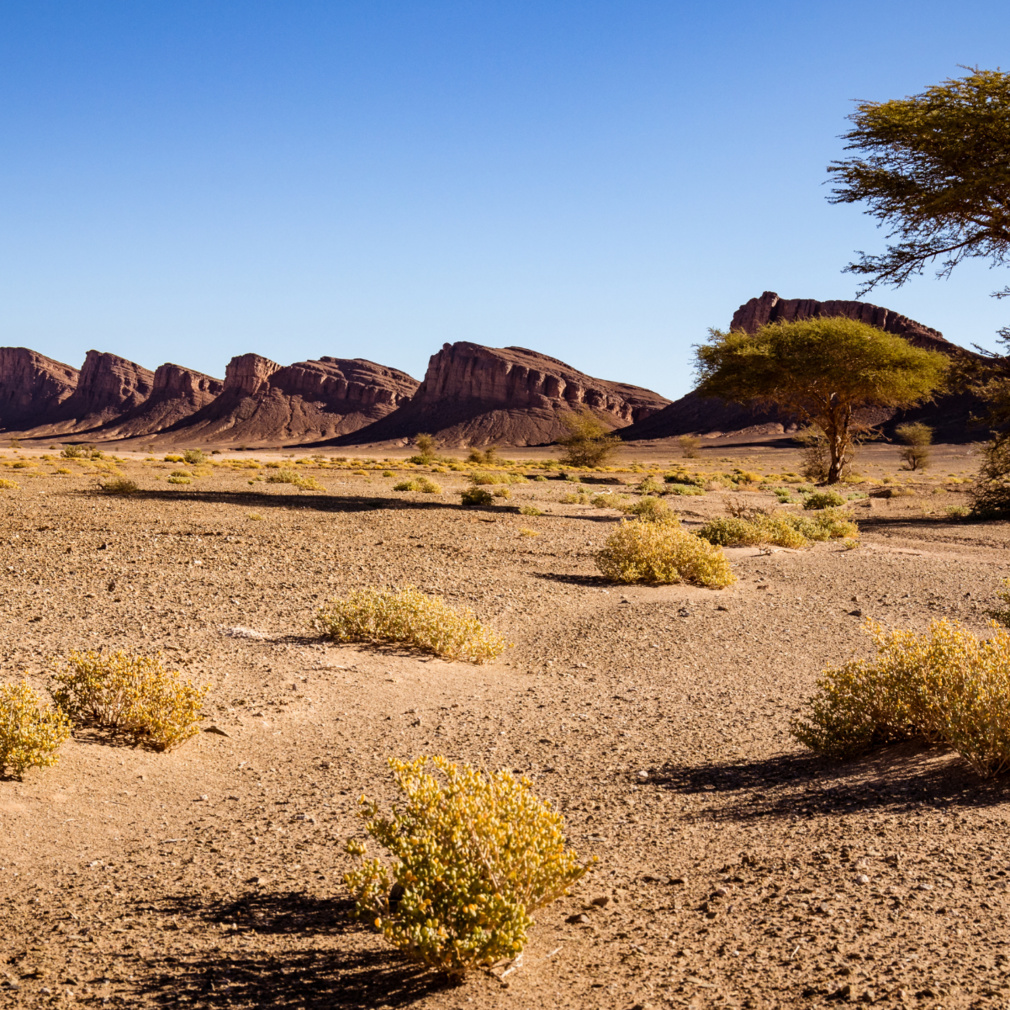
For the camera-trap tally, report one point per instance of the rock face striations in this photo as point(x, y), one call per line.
point(475, 395)
point(32, 387)
point(699, 415)
point(262, 401)
point(769, 308)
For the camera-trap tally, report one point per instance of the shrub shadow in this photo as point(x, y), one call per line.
point(895, 779)
point(355, 978)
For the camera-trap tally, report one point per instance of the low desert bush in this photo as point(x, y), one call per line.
point(473, 856)
point(496, 477)
point(502, 491)
point(180, 473)
point(662, 553)
point(411, 617)
point(530, 510)
point(650, 486)
point(781, 529)
point(31, 732)
point(9, 485)
point(293, 477)
point(134, 695)
point(823, 500)
point(487, 457)
point(577, 498)
point(472, 496)
point(173, 458)
point(194, 457)
point(684, 489)
point(118, 486)
point(688, 445)
point(1002, 613)
point(649, 508)
point(74, 452)
point(946, 686)
point(422, 484)
point(525, 531)
point(179, 478)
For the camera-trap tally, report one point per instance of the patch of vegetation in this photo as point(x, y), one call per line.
point(530, 510)
point(9, 485)
point(918, 440)
point(422, 484)
point(473, 856)
point(779, 529)
point(476, 496)
point(589, 442)
point(823, 500)
point(131, 694)
point(118, 486)
point(194, 457)
point(31, 732)
point(412, 618)
point(946, 686)
point(662, 553)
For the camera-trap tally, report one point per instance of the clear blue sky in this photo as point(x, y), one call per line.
point(600, 181)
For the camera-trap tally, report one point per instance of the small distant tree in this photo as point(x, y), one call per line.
point(688, 445)
point(918, 439)
point(823, 370)
point(426, 446)
point(589, 442)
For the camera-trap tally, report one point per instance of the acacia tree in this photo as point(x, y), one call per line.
point(934, 169)
point(823, 370)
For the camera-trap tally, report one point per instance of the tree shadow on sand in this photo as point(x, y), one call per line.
point(895, 779)
point(356, 975)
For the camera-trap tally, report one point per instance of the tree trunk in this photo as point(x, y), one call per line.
point(836, 430)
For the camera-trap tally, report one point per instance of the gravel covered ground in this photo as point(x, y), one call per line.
point(738, 870)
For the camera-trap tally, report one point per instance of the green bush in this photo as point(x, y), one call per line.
point(472, 860)
point(194, 457)
point(529, 510)
point(946, 686)
point(422, 484)
point(496, 477)
point(823, 500)
point(781, 529)
point(662, 553)
point(650, 509)
point(684, 489)
point(118, 486)
point(472, 496)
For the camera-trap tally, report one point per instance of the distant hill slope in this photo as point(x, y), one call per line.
point(698, 415)
point(32, 387)
point(476, 395)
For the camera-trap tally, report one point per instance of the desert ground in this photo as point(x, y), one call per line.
point(739, 869)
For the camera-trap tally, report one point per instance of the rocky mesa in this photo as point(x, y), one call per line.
point(262, 401)
point(32, 387)
point(476, 395)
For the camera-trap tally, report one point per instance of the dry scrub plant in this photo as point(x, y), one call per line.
point(30, 732)
point(118, 486)
point(781, 529)
point(472, 496)
point(412, 617)
point(130, 694)
point(422, 484)
point(9, 485)
point(662, 552)
point(946, 686)
point(296, 479)
point(473, 859)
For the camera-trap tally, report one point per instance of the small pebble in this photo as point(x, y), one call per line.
point(862, 878)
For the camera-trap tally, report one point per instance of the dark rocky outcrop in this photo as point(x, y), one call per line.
point(33, 387)
point(475, 395)
point(177, 394)
point(950, 415)
point(262, 401)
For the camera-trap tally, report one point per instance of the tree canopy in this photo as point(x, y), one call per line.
point(934, 169)
point(823, 370)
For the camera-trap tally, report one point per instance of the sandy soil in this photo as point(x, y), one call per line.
point(657, 719)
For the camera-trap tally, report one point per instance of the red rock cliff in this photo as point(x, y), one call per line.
point(475, 394)
point(32, 387)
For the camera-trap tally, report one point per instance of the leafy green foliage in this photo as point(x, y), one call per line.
point(823, 369)
point(823, 500)
point(932, 169)
point(589, 442)
point(476, 496)
point(918, 438)
point(472, 860)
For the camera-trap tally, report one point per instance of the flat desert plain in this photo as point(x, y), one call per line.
point(739, 870)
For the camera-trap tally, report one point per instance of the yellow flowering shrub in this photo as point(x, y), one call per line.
point(662, 552)
point(473, 856)
point(947, 686)
point(411, 617)
point(30, 732)
point(130, 694)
